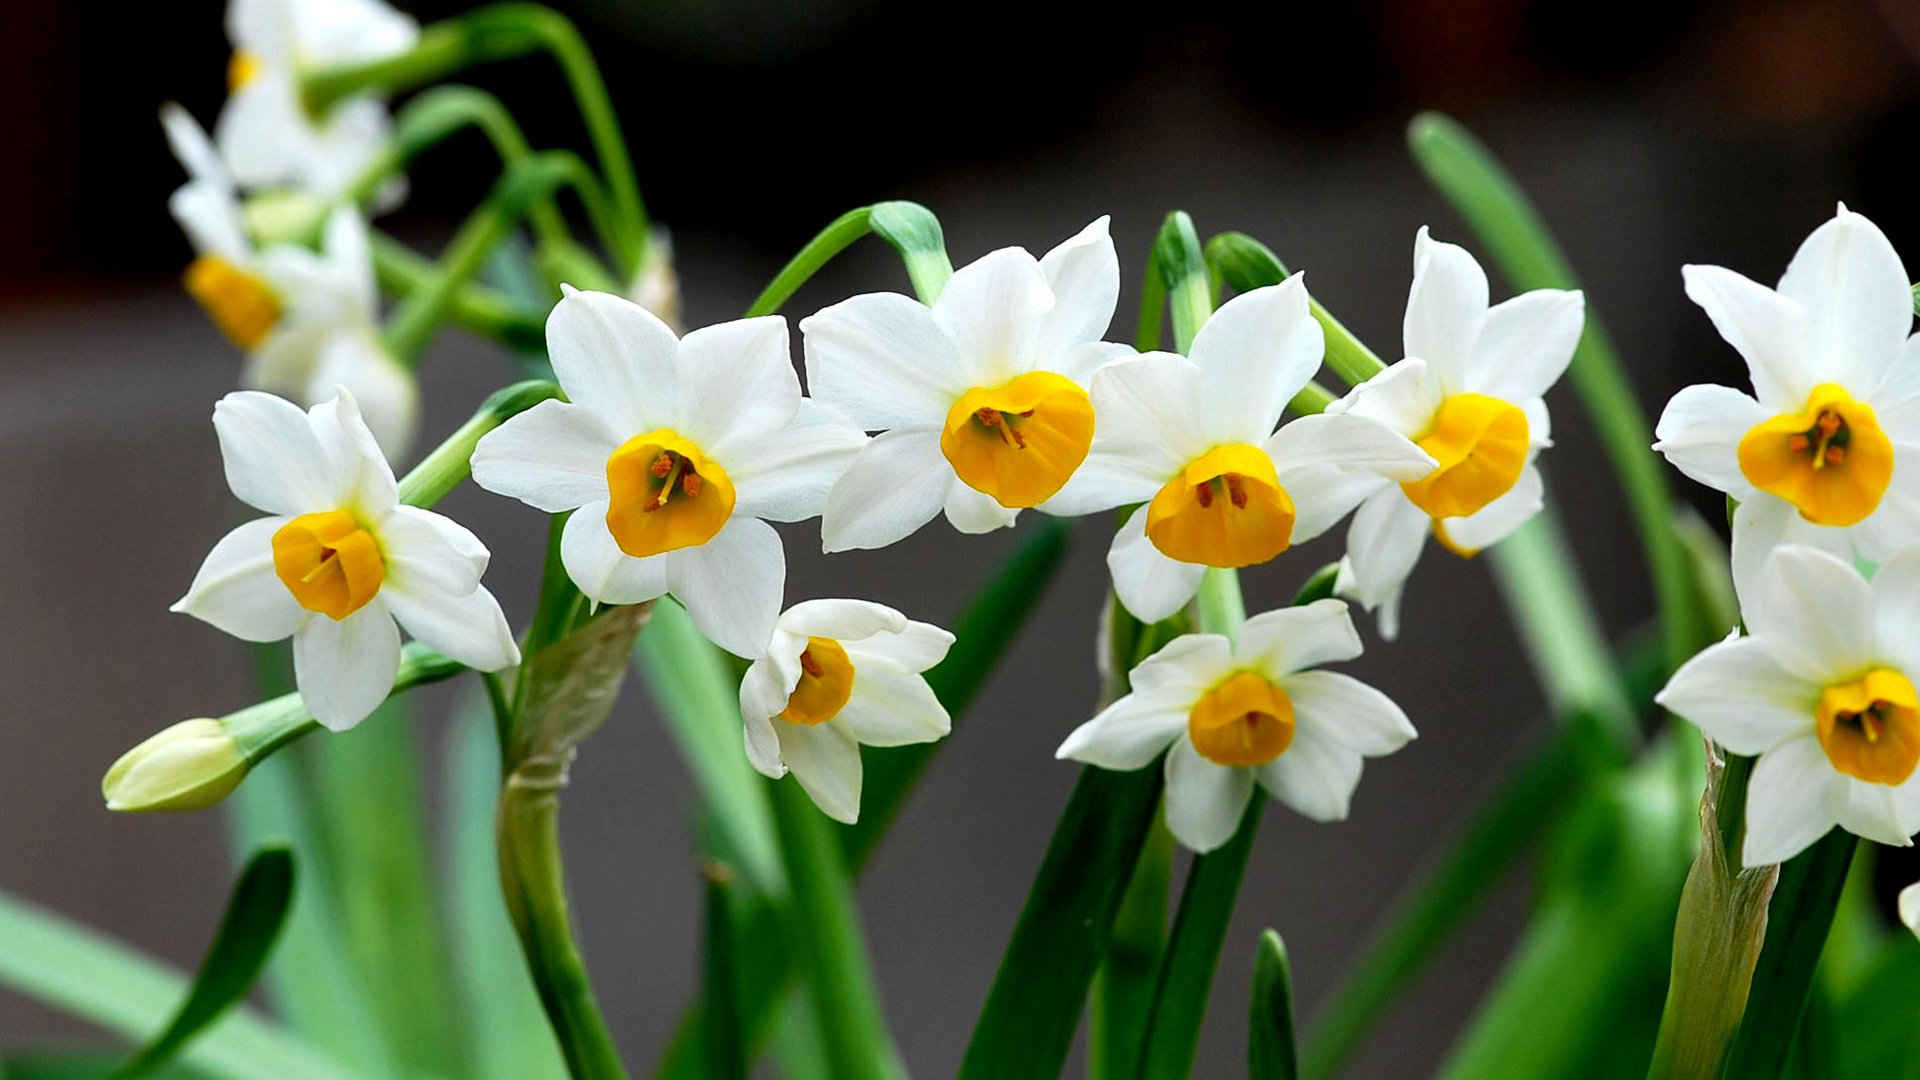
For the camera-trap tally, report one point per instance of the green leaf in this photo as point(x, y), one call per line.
point(1869, 1042)
point(83, 1065)
point(1798, 920)
point(255, 913)
point(726, 1049)
point(1122, 995)
point(1270, 1051)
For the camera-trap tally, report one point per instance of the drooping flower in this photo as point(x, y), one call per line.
point(266, 134)
point(673, 453)
point(339, 559)
point(1233, 714)
point(982, 397)
point(307, 322)
point(838, 674)
point(1815, 455)
point(1822, 689)
point(1470, 392)
point(1194, 439)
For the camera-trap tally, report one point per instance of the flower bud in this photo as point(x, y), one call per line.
point(655, 285)
point(283, 216)
point(189, 766)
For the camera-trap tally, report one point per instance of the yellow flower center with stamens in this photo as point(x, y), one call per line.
point(242, 68)
point(826, 682)
point(1021, 440)
point(243, 306)
point(1225, 509)
point(329, 562)
point(1831, 459)
point(1870, 727)
point(1244, 720)
point(664, 494)
point(1480, 444)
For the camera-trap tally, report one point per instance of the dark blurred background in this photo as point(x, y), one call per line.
point(1650, 134)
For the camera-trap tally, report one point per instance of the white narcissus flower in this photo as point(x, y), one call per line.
point(308, 323)
point(1812, 454)
point(266, 134)
point(982, 397)
point(1193, 437)
point(1233, 714)
point(1470, 392)
point(339, 559)
point(673, 453)
point(839, 673)
point(1822, 689)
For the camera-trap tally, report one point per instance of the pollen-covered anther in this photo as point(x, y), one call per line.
point(1870, 727)
point(1831, 460)
point(643, 513)
point(1021, 440)
point(1226, 508)
point(825, 684)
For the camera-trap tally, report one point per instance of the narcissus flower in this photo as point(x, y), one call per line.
point(1194, 439)
point(839, 673)
point(266, 134)
point(673, 453)
point(307, 322)
point(1232, 714)
point(1812, 455)
point(339, 559)
point(1470, 393)
point(1822, 689)
point(982, 397)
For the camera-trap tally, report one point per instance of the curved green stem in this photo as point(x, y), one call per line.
point(437, 115)
point(474, 307)
point(451, 462)
point(910, 228)
point(1240, 261)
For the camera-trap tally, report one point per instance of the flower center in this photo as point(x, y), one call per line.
point(1870, 727)
point(1021, 440)
point(1245, 720)
point(1225, 509)
point(242, 68)
point(328, 562)
point(1480, 444)
point(826, 682)
point(242, 305)
point(664, 494)
point(1831, 460)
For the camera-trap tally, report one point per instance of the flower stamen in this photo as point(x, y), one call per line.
point(642, 513)
point(1870, 727)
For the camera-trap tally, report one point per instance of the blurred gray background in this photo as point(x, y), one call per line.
point(1654, 135)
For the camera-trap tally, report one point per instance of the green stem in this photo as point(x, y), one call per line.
point(1219, 605)
point(474, 307)
point(437, 115)
point(1122, 997)
point(1311, 399)
point(451, 462)
point(1244, 263)
point(910, 228)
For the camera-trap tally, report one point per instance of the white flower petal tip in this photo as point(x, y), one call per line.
point(1910, 907)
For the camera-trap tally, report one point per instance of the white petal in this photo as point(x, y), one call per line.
point(1204, 801)
point(1111, 475)
point(1896, 609)
point(1347, 711)
point(1445, 309)
point(1404, 397)
point(1539, 423)
point(470, 627)
point(273, 459)
point(211, 220)
point(916, 646)
point(827, 764)
point(1290, 639)
point(237, 590)
point(1146, 411)
point(737, 384)
point(883, 362)
point(1316, 776)
point(362, 479)
point(1527, 342)
point(194, 150)
point(1897, 401)
point(345, 668)
point(1184, 667)
point(841, 620)
point(431, 551)
point(889, 705)
point(1910, 907)
point(1762, 523)
point(1700, 432)
point(1872, 811)
point(1740, 696)
point(769, 681)
point(732, 584)
point(603, 572)
point(553, 457)
point(1081, 362)
point(1498, 519)
point(1151, 585)
point(1792, 800)
point(1323, 494)
point(265, 28)
point(1814, 613)
point(1129, 733)
point(1858, 300)
point(763, 746)
point(1255, 353)
point(1894, 524)
point(1384, 540)
point(991, 310)
point(387, 393)
point(785, 475)
point(1355, 442)
point(973, 511)
point(350, 253)
point(1084, 275)
point(262, 132)
point(616, 358)
point(894, 485)
point(1767, 329)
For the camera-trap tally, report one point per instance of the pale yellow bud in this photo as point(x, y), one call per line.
point(189, 766)
point(656, 287)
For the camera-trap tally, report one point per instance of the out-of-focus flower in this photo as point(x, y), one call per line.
point(1194, 439)
point(839, 673)
point(673, 453)
point(339, 559)
point(1822, 690)
point(656, 286)
point(1470, 392)
point(1233, 714)
point(982, 396)
point(1816, 455)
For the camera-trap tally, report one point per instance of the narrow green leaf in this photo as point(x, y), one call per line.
point(83, 1065)
point(1271, 1054)
point(1798, 920)
point(726, 1050)
point(255, 912)
point(1122, 995)
point(1869, 1042)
